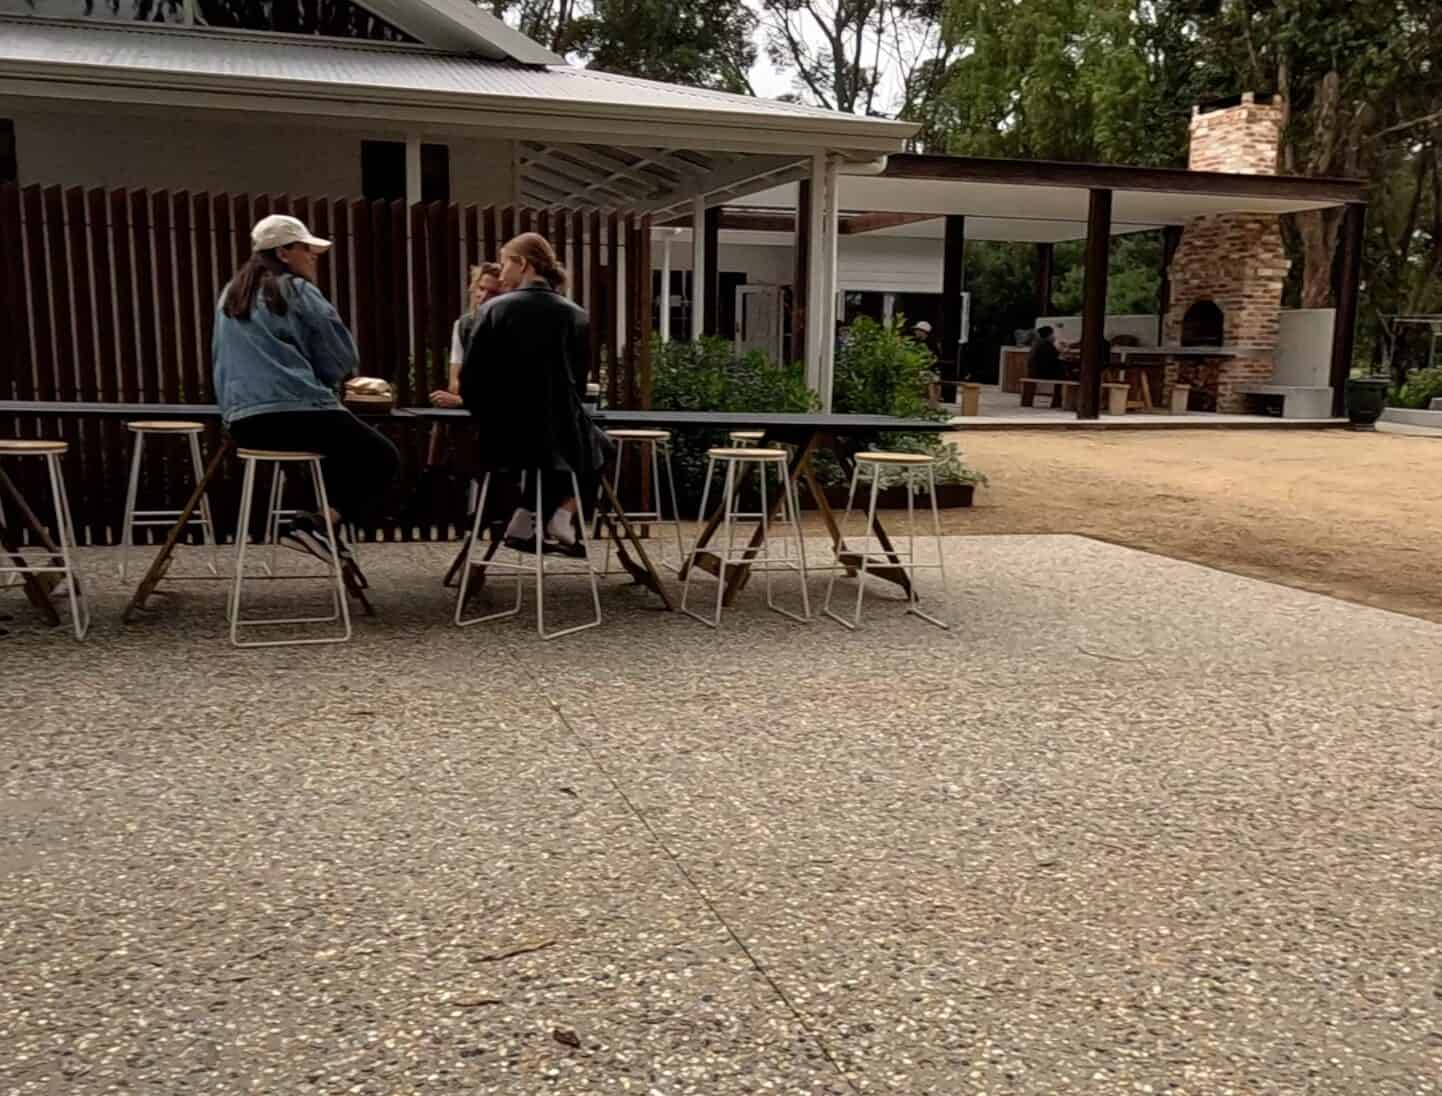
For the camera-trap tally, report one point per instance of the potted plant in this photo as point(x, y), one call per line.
point(1366, 400)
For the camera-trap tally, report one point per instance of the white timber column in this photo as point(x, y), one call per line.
point(821, 284)
point(667, 234)
point(698, 266)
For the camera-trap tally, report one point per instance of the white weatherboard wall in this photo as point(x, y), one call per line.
point(763, 264)
point(225, 152)
point(885, 264)
point(891, 264)
point(1069, 328)
point(1304, 347)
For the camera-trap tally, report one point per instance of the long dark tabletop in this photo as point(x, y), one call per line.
point(618, 417)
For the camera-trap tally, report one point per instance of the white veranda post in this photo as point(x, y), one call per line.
point(666, 284)
point(821, 283)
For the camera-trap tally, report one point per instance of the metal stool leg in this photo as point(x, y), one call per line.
point(791, 517)
point(471, 550)
point(272, 518)
point(242, 537)
point(866, 537)
point(541, 566)
point(838, 565)
point(65, 527)
point(940, 555)
point(691, 568)
point(127, 524)
point(341, 600)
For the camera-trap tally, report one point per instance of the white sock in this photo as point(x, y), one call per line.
point(561, 528)
point(523, 525)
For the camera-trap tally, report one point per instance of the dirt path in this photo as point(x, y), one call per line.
point(1357, 516)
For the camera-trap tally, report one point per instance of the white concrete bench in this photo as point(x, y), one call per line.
point(1298, 401)
point(1063, 393)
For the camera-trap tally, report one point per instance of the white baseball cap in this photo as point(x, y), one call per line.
point(278, 230)
point(923, 326)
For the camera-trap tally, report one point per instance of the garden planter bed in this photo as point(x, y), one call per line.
point(949, 496)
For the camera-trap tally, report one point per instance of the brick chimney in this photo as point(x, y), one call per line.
point(1240, 134)
point(1234, 262)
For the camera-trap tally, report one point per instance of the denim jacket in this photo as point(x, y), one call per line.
point(268, 363)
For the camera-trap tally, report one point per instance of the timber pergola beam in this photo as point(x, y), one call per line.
point(1116, 177)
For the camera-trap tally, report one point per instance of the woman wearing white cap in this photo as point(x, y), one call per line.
point(281, 354)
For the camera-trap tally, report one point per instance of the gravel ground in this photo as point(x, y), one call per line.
point(1352, 514)
point(1135, 826)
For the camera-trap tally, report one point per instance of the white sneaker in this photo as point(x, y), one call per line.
point(562, 528)
point(522, 527)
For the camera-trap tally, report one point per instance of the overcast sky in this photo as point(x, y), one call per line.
point(767, 82)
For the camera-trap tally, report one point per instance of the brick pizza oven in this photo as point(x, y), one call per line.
point(1227, 273)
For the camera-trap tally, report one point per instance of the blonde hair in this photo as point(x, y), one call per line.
point(479, 271)
point(536, 250)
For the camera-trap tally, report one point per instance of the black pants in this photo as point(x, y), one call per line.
point(360, 461)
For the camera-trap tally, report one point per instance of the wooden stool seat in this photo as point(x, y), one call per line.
point(747, 435)
point(174, 426)
point(639, 435)
point(275, 454)
point(894, 458)
point(747, 454)
point(22, 447)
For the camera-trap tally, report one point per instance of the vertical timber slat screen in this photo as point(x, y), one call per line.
point(111, 294)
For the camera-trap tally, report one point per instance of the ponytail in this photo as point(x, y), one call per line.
point(536, 250)
point(258, 276)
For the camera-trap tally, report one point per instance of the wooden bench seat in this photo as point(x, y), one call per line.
point(1063, 393)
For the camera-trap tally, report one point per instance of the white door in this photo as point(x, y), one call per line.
point(758, 320)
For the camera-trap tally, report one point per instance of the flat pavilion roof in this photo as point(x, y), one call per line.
point(1042, 201)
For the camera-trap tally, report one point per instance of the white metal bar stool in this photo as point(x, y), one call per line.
point(341, 609)
point(654, 446)
point(737, 463)
point(62, 556)
point(134, 518)
point(912, 466)
point(477, 558)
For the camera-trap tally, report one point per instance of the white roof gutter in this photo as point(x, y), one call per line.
point(641, 124)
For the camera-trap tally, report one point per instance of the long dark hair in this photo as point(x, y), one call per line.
point(537, 250)
point(257, 276)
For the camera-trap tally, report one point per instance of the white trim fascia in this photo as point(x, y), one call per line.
point(640, 125)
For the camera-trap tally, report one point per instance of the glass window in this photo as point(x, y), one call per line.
point(325, 18)
point(148, 11)
point(383, 170)
point(9, 163)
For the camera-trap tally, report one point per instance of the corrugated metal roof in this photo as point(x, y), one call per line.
point(57, 50)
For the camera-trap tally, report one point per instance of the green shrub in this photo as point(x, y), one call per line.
point(881, 370)
point(1421, 388)
point(707, 375)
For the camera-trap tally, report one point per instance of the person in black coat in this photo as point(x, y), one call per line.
point(1043, 360)
point(523, 380)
